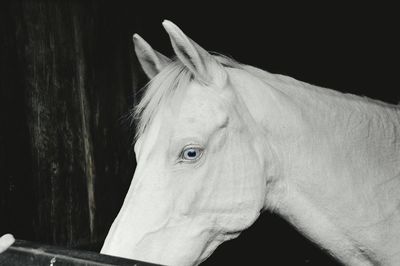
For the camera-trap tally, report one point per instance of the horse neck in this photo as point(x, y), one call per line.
point(339, 165)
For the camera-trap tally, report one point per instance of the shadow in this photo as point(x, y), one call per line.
point(273, 241)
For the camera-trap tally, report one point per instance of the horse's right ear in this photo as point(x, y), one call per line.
point(151, 61)
point(200, 62)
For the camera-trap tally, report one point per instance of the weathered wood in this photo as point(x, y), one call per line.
point(33, 254)
point(65, 150)
point(16, 194)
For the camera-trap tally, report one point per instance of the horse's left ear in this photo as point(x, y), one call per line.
point(201, 63)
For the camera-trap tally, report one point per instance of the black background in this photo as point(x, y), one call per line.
point(353, 49)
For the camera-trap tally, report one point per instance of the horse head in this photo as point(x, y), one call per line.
point(201, 166)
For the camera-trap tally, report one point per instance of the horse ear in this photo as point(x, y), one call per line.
point(151, 61)
point(201, 63)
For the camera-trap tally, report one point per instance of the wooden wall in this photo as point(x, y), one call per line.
point(68, 79)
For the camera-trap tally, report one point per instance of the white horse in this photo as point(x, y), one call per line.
point(219, 142)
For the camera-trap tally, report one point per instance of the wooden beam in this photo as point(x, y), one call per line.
point(33, 254)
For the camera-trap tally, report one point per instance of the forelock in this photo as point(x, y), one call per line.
point(170, 81)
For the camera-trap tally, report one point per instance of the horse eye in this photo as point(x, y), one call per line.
point(191, 153)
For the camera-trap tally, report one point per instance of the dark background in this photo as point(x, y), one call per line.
point(69, 76)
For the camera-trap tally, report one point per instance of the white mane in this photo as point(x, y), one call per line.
point(170, 82)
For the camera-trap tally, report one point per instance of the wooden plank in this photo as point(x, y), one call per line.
point(67, 81)
point(33, 254)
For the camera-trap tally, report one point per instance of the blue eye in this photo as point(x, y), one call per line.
point(191, 153)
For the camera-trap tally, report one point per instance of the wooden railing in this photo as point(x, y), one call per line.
point(33, 254)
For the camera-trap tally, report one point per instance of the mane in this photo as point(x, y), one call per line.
point(175, 77)
point(169, 83)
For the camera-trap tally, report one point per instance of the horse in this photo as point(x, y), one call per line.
point(219, 142)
